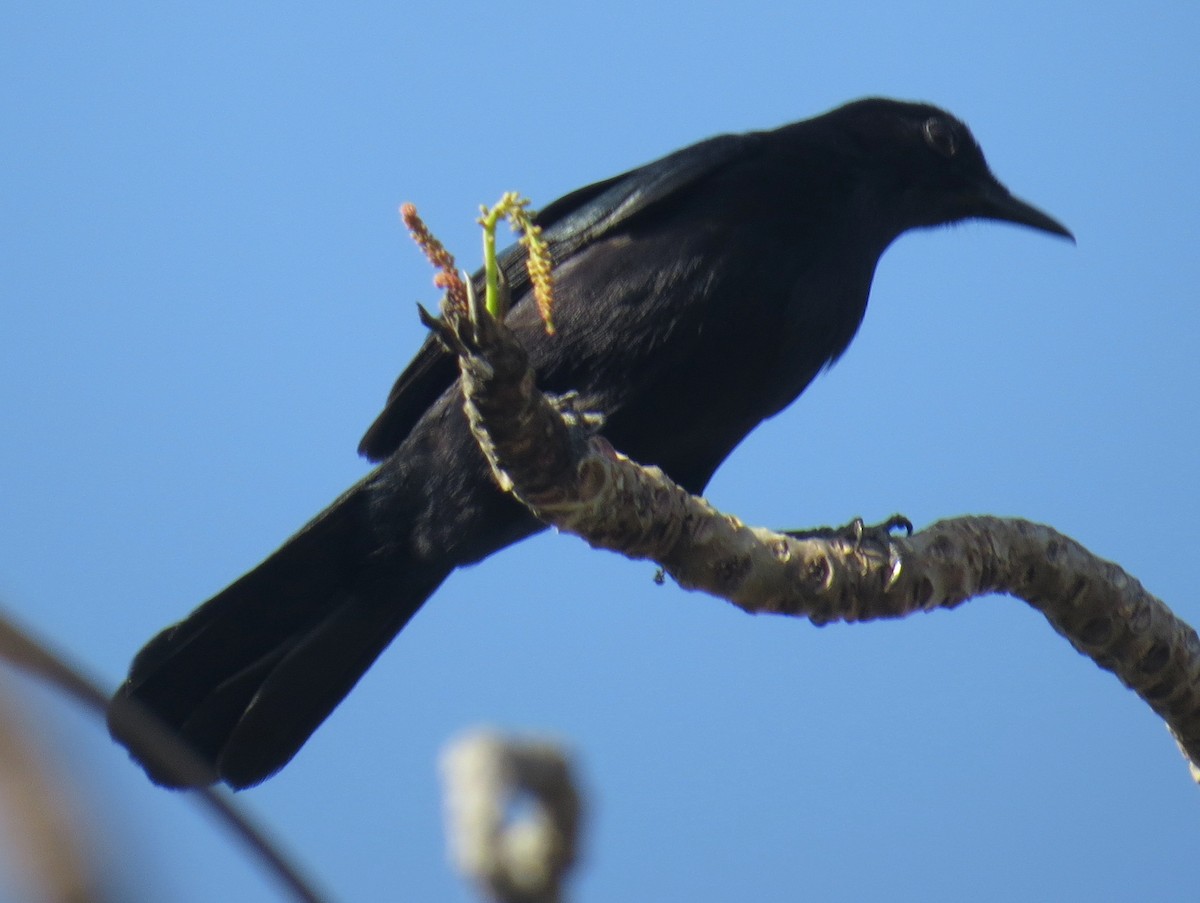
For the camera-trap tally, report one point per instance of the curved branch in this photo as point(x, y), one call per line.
point(546, 455)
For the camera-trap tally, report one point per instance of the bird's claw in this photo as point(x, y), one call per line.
point(856, 533)
point(893, 523)
point(568, 405)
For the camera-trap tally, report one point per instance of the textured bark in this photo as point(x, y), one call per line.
point(549, 457)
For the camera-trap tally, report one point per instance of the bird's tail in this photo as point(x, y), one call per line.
point(250, 674)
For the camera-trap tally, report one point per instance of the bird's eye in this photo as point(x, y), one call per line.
point(939, 136)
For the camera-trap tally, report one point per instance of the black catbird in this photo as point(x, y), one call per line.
point(696, 296)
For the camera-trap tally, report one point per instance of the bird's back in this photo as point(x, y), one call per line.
point(690, 324)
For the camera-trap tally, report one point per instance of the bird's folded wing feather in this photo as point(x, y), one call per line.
point(568, 224)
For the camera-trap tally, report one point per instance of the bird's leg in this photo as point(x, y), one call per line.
point(856, 532)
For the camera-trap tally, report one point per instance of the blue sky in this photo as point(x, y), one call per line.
point(205, 294)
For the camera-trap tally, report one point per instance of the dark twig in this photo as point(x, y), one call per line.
point(24, 652)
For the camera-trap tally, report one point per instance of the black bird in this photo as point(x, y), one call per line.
point(696, 296)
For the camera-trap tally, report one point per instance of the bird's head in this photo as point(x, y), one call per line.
point(928, 168)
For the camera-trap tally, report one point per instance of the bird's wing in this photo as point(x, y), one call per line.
point(568, 224)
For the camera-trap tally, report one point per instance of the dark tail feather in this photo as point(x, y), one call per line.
point(249, 675)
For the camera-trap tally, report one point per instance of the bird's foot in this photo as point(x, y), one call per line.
point(856, 532)
point(570, 407)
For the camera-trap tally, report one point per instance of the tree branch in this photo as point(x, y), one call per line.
point(155, 743)
point(550, 458)
point(513, 813)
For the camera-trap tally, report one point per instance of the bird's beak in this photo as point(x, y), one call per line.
point(994, 201)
